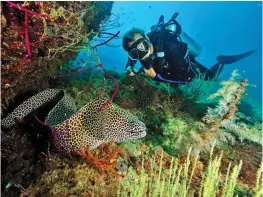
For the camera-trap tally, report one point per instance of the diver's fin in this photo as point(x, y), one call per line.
point(224, 59)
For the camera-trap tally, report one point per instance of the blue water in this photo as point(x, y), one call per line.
point(221, 28)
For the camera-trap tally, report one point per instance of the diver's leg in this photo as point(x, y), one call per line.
point(230, 59)
point(217, 69)
point(209, 73)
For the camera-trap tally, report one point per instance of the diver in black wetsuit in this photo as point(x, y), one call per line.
point(165, 57)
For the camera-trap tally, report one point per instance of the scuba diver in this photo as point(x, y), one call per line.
point(168, 54)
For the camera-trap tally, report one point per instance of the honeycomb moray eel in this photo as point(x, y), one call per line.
point(86, 127)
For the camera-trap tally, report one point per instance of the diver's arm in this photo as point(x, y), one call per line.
point(129, 66)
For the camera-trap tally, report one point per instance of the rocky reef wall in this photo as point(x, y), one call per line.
point(38, 37)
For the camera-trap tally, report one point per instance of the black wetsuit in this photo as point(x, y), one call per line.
point(176, 66)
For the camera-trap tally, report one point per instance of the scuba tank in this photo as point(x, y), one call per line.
point(173, 26)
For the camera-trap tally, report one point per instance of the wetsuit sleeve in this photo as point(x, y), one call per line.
point(130, 63)
point(209, 74)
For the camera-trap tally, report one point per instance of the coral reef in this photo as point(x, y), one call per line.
point(38, 37)
point(150, 161)
point(251, 133)
point(42, 37)
point(180, 134)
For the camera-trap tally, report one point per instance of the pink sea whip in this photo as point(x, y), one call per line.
point(28, 48)
point(27, 12)
point(20, 7)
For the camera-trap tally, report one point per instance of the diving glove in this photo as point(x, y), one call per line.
point(129, 71)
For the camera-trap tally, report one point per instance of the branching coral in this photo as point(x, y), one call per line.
point(63, 21)
point(243, 131)
point(60, 28)
point(105, 159)
point(27, 12)
point(259, 189)
point(231, 93)
point(224, 114)
point(212, 178)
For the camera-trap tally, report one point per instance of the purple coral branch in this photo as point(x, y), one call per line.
point(21, 7)
point(114, 94)
point(27, 12)
point(28, 47)
point(53, 133)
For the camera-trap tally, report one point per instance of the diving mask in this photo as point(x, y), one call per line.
point(139, 49)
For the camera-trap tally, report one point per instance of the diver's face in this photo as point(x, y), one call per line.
point(141, 46)
point(136, 37)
